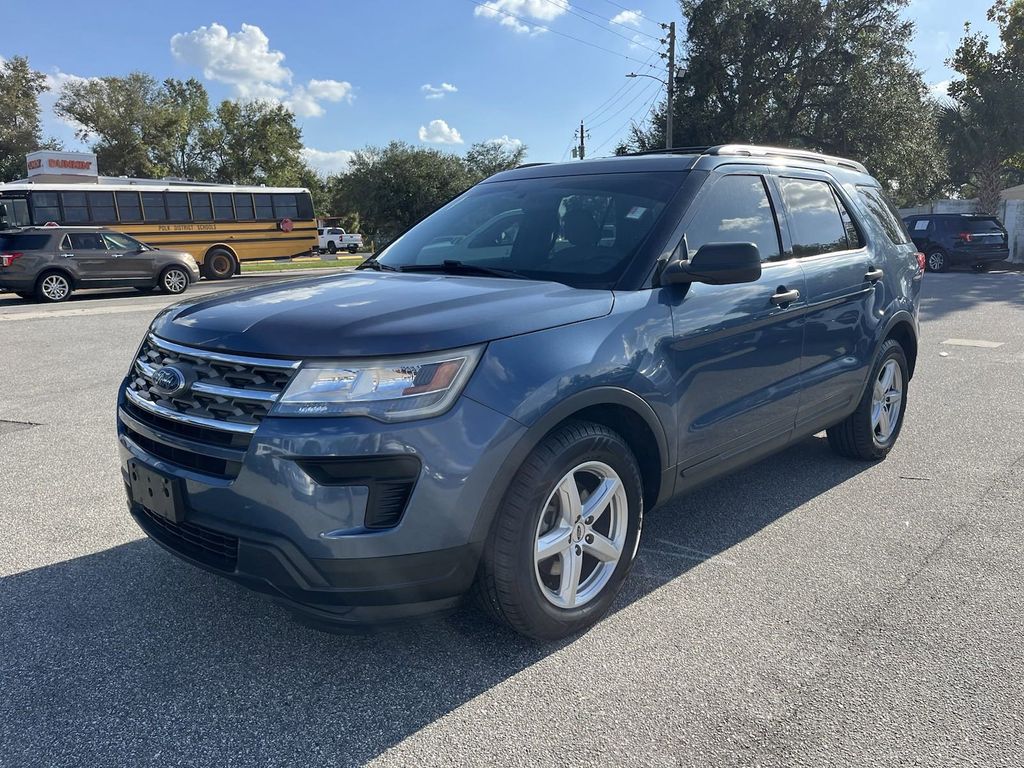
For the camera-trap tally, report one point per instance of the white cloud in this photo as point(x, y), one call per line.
point(304, 101)
point(507, 142)
point(327, 162)
point(940, 89)
point(505, 12)
point(245, 61)
point(439, 132)
point(628, 17)
point(437, 91)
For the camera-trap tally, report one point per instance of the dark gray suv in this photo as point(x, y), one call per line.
point(48, 263)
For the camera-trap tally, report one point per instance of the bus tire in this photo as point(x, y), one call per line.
point(219, 264)
point(353, 248)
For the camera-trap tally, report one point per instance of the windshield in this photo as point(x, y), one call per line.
point(579, 230)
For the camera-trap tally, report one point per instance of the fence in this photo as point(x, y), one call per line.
point(1011, 213)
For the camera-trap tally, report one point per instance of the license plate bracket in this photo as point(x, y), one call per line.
point(156, 492)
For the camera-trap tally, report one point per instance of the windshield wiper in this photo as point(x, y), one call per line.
point(451, 267)
point(372, 263)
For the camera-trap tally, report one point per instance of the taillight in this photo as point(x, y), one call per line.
point(966, 237)
point(6, 259)
point(920, 261)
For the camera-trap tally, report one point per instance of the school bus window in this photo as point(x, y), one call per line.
point(201, 208)
point(264, 207)
point(285, 207)
point(305, 205)
point(75, 208)
point(243, 206)
point(153, 206)
point(128, 207)
point(222, 210)
point(45, 207)
point(177, 206)
point(101, 207)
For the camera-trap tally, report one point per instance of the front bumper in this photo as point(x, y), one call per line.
point(272, 522)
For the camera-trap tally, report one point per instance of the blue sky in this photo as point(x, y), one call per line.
point(442, 73)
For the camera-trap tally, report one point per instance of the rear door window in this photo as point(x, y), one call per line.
point(815, 221)
point(736, 210)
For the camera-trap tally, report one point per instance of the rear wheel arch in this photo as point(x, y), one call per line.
point(902, 331)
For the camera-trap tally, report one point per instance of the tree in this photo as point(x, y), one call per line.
point(20, 129)
point(830, 75)
point(487, 158)
point(395, 186)
point(256, 143)
point(983, 124)
point(125, 116)
point(186, 151)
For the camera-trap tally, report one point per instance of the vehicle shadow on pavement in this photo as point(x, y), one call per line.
point(961, 290)
point(130, 657)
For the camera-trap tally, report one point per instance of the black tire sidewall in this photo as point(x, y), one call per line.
point(212, 258)
point(547, 620)
point(331, 247)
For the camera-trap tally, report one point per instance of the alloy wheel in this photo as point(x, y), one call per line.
point(580, 535)
point(55, 287)
point(175, 281)
point(936, 261)
point(886, 401)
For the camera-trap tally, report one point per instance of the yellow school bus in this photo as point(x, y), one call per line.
point(220, 225)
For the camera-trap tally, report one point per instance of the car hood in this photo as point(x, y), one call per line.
point(371, 314)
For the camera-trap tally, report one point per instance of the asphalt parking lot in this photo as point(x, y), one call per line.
point(806, 611)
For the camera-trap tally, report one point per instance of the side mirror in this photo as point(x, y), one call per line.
point(716, 264)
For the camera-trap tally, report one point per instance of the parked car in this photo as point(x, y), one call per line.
point(374, 445)
point(950, 239)
point(334, 239)
point(48, 263)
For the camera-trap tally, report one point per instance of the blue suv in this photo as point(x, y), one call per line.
point(491, 404)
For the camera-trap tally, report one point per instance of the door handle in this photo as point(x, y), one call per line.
point(873, 275)
point(782, 297)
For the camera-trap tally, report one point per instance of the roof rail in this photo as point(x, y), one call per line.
point(753, 150)
point(673, 151)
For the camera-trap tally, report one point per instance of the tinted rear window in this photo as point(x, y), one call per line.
point(884, 213)
point(981, 226)
point(19, 243)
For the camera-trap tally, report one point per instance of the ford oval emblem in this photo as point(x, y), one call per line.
point(169, 381)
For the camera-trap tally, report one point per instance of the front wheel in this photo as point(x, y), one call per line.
point(870, 432)
point(353, 248)
point(565, 535)
point(173, 280)
point(331, 247)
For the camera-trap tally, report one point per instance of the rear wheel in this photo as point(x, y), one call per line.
point(937, 261)
point(53, 287)
point(173, 280)
point(353, 248)
point(565, 535)
point(219, 264)
point(870, 432)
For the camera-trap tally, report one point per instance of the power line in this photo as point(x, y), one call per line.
point(642, 94)
point(602, 27)
point(555, 31)
point(626, 86)
point(648, 106)
point(624, 25)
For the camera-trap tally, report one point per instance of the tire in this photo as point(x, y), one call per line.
point(53, 287)
point(937, 260)
point(173, 280)
point(219, 264)
point(527, 592)
point(331, 247)
point(858, 436)
point(353, 248)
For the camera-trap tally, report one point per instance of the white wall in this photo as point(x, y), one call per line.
point(1011, 213)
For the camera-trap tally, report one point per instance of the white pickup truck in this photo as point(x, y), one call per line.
point(334, 239)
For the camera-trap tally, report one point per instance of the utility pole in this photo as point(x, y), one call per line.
point(671, 83)
point(580, 152)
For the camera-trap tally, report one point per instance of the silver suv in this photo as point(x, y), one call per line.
point(48, 263)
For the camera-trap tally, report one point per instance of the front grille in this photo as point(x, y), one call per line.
point(208, 424)
point(198, 542)
point(230, 389)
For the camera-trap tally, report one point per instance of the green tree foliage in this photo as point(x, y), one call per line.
point(256, 143)
point(835, 76)
point(20, 130)
point(186, 150)
point(125, 117)
point(983, 123)
point(487, 158)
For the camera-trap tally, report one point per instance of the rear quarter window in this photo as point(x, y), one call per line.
point(9, 243)
point(884, 214)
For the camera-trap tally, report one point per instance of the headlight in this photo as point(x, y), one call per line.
point(387, 390)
